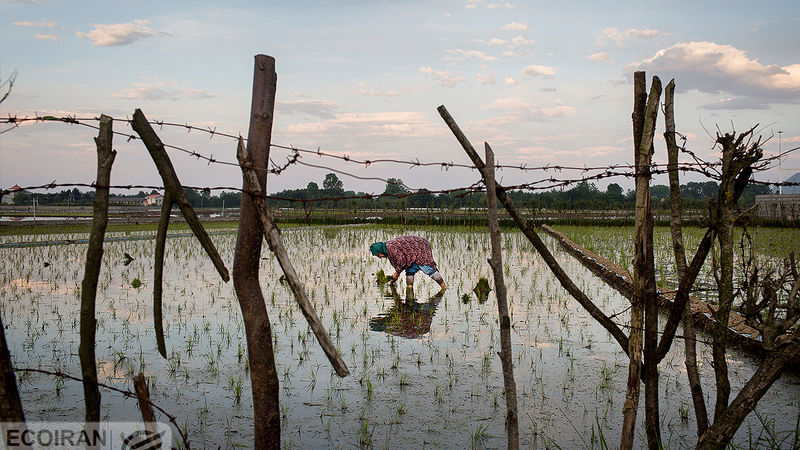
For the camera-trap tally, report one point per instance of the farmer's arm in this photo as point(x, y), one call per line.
point(395, 276)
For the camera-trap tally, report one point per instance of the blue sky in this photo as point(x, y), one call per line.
point(543, 83)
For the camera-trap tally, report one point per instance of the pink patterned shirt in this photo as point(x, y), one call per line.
point(407, 250)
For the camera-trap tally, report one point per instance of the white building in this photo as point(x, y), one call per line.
point(155, 199)
point(8, 199)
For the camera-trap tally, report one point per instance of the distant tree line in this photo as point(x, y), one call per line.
point(583, 196)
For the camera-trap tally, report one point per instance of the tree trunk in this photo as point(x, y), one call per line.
point(724, 220)
point(496, 263)
point(263, 375)
point(724, 427)
point(94, 259)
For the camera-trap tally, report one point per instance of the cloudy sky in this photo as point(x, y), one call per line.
point(544, 83)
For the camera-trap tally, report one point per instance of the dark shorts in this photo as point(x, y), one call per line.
point(414, 268)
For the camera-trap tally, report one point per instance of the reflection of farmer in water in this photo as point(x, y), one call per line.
point(409, 253)
point(408, 318)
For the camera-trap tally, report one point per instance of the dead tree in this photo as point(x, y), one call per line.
point(94, 258)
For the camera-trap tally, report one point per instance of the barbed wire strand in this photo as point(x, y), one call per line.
point(365, 162)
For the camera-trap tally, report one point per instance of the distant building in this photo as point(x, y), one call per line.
point(121, 200)
point(8, 199)
point(778, 206)
point(155, 199)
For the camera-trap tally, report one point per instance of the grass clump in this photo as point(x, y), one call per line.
point(482, 289)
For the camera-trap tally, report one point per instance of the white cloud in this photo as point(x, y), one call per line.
point(45, 23)
point(519, 40)
point(536, 70)
point(120, 33)
point(510, 81)
point(476, 3)
point(47, 37)
point(601, 57)
point(159, 91)
point(405, 124)
point(319, 108)
point(645, 33)
point(609, 36)
point(518, 26)
point(612, 36)
point(711, 67)
point(522, 111)
point(363, 89)
point(443, 78)
point(485, 78)
point(461, 55)
point(497, 41)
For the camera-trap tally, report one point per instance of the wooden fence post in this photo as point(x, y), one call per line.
point(145, 406)
point(679, 252)
point(12, 417)
point(496, 262)
point(94, 257)
point(263, 376)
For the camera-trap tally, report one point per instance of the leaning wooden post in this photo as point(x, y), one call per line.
point(679, 252)
point(538, 244)
point(496, 262)
point(94, 257)
point(145, 406)
point(173, 194)
point(273, 237)
point(643, 276)
point(158, 272)
point(247, 257)
point(12, 417)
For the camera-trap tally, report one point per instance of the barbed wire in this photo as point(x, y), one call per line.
point(15, 121)
point(700, 166)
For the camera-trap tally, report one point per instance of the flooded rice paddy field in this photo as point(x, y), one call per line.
point(424, 367)
point(616, 243)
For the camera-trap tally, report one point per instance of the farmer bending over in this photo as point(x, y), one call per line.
point(409, 253)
